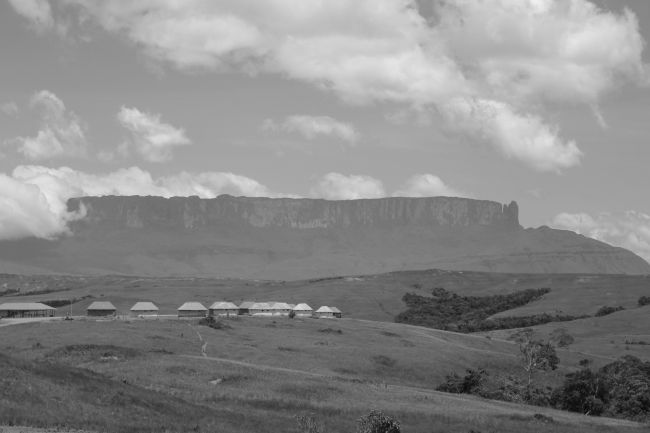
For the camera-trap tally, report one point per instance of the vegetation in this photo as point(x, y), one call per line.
point(377, 422)
point(644, 300)
point(451, 312)
point(605, 310)
point(214, 323)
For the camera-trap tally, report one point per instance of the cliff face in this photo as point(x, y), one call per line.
point(238, 237)
point(195, 213)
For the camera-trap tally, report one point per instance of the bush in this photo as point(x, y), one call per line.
point(469, 384)
point(605, 310)
point(309, 424)
point(377, 422)
point(561, 337)
point(644, 300)
point(214, 323)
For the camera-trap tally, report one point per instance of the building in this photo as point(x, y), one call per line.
point(337, 312)
point(26, 309)
point(260, 309)
point(192, 309)
point(223, 309)
point(324, 312)
point(280, 309)
point(302, 310)
point(244, 307)
point(144, 309)
point(101, 309)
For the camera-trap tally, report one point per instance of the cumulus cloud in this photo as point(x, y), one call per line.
point(630, 230)
point(152, 139)
point(520, 136)
point(38, 12)
point(511, 55)
point(9, 108)
point(426, 185)
point(336, 186)
point(33, 198)
point(311, 127)
point(61, 134)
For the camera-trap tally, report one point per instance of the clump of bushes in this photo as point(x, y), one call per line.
point(605, 310)
point(214, 323)
point(451, 312)
point(377, 422)
point(644, 300)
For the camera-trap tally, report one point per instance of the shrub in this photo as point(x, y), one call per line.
point(561, 337)
point(214, 323)
point(469, 384)
point(605, 310)
point(309, 424)
point(377, 422)
point(644, 300)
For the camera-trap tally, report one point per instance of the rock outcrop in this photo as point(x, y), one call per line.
point(240, 237)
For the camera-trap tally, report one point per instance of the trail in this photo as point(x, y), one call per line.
point(204, 346)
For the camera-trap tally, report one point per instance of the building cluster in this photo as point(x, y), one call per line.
point(187, 310)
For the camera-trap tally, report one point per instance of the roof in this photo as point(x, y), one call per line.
point(223, 306)
point(280, 306)
point(25, 306)
point(192, 306)
point(335, 310)
point(246, 304)
point(302, 307)
point(144, 306)
point(324, 309)
point(260, 306)
point(101, 305)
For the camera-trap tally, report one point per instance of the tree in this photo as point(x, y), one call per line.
point(377, 422)
point(561, 337)
point(644, 300)
point(536, 355)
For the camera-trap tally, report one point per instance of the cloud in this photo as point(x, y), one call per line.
point(61, 134)
point(426, 185)
point(336, 186)
point(33, 198)
point(630, 230)
point(520, 136)
point(521, 58)
point(38, 12)
point(9, 108)
point(153, 139)
point(312, 126)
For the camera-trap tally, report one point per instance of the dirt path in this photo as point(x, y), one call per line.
point(204, 345)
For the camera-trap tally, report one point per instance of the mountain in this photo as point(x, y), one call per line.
point(282, 238)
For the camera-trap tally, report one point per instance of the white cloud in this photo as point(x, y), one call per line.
point(426, 185)
point(630, 230)
point(336, 186)
point(9, 108)
point(521, 58)
point(33, 198)
point(61, 133)
point(520, 136)
point(38, 12)
point(312, 126)
point(153, 139)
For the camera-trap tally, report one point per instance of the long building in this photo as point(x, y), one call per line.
point(101, 309)
point(192, 309)
point(26, 309)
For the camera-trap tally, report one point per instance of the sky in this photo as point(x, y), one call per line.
point(545, 102)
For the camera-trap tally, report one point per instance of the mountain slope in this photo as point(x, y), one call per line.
point(239, 237)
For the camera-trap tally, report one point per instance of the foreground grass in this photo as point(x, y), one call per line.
point(151, 376)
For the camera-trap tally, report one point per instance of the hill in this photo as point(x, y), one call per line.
point(291, 239)
point(256, 375)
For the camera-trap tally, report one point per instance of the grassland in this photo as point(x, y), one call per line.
point(255, 375)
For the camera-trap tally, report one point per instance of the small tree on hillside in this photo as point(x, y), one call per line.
point(644, 300)
point(536, 355)
point(377, 422)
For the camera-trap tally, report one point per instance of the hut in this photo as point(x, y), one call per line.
point(244, 307)
point(192, 309)
point(280, 309)
point(223, 309)
point(101, 309)
point(337, 312)
point(260, 309)
point(144, 309)
point(324, 312)
point(26, 309)
point(302, 310)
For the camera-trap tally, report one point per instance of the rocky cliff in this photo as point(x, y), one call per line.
point(195, 213)
point(239, 237)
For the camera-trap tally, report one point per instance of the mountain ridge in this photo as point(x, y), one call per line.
point(292, 239)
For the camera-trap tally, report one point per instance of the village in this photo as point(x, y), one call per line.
point(189, 310)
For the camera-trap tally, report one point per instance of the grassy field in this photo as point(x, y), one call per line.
point(255, 375)
point(376, 297)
